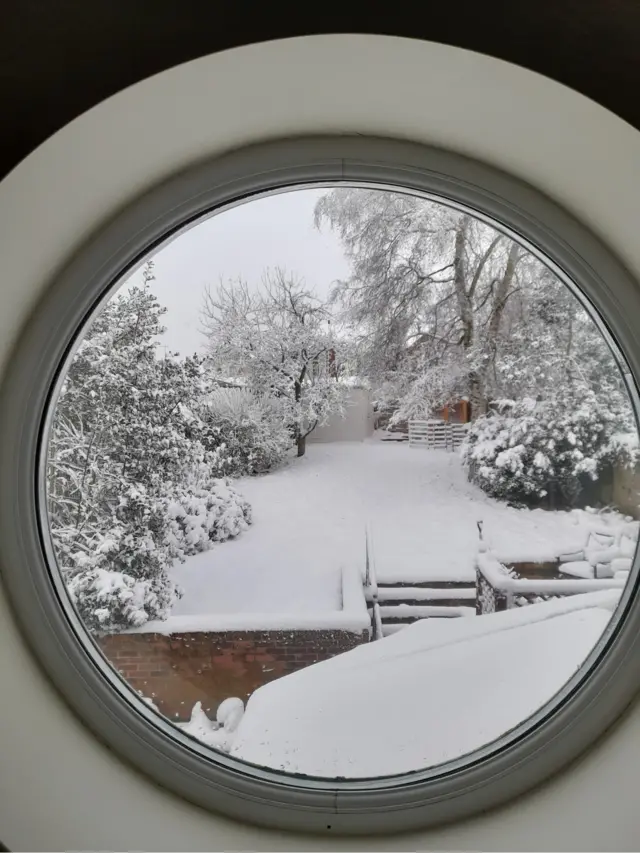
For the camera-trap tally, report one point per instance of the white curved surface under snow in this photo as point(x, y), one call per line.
point(427, 694)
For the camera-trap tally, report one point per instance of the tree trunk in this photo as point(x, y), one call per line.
point(502, 293)
point(301, 443)
point(465, 309)
point(477, 395)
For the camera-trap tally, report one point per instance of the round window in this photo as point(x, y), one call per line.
point(320, 485)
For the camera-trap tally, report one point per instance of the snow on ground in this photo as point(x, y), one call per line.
point(366, 713)
point(309, 523)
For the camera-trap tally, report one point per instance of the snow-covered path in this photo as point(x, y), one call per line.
point(310, 517)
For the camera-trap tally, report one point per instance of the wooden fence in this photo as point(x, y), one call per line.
point(436, 434)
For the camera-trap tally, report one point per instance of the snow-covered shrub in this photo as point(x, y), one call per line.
point(527, 451)
point(199, 517)
point(126, 442)
point(109, 601)
point(625, 448)
point(126, 536)
point(233, 403)
point(244, 433)
point(119, 578)
point(116, 567)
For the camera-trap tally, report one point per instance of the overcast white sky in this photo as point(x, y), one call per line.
point(242, 242)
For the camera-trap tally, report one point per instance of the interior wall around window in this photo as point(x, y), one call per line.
point(65, 790)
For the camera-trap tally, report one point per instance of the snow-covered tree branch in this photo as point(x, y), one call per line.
point(279, 341)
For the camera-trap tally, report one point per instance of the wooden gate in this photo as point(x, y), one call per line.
point(436, 434)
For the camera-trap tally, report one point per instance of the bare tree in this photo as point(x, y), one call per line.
point(429, 287)
point(278, 340)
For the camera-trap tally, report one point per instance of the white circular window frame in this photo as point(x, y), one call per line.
point(530, 754)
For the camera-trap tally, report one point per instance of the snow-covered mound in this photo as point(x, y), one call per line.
point(219, 734)
point(430, 693)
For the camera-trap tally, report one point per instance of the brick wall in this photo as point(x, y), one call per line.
point(179, 670)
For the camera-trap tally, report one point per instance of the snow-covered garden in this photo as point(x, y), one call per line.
point(309, 521)
point(185, 494)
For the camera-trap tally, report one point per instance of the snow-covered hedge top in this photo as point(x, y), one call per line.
point(628, 441)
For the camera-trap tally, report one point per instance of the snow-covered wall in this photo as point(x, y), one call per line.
point(357, 423)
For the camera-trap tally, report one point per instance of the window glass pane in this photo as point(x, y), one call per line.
point(344, 482)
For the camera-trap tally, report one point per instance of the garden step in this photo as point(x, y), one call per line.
point(421, 594)
point(411, 613)
point(428, 584)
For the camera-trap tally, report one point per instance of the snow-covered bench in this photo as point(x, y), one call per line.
point(607, 552)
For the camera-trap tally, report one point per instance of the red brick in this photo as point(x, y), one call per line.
point(208, 667)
